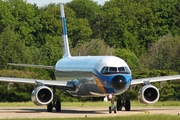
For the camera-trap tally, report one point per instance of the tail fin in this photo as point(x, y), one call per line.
point(66, 51)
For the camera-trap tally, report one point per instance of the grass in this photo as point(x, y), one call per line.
point(159, 103)
point(89, 104)
point(131, 117)
point(12, 104)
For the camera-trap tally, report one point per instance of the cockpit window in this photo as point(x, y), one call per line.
point(112, 70)
point(127, 69)
point(121, 69)
point(104, 70)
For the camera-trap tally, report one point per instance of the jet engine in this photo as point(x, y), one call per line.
point(148, 94)
point(42, 95)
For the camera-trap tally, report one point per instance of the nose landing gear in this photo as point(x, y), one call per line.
point(112, 107)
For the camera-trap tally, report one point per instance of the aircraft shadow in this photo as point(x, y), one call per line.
point(29, 110)
point(149, 109)
point(71, 111)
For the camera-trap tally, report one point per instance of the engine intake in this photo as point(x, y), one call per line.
point(42, 95)
point(148, 94)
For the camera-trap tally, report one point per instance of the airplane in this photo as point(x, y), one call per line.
point(89, 76)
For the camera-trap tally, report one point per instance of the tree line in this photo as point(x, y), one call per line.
point(145, 33)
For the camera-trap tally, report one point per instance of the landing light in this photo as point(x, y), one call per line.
point(110, 96)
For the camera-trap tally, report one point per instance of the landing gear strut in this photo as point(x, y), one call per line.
point(56, 103)
point(112, 107)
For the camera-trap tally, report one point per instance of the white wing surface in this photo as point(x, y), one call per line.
point(155, 79)
point(60, 84)
point(30, 65)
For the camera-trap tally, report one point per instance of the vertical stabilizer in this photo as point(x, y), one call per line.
point(66, 52)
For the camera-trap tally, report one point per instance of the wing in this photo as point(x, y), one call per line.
point(53, 83)
point(155, 79)
point(30, 65)
point(59, 84)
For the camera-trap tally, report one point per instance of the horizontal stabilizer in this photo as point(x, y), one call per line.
point(30, 65)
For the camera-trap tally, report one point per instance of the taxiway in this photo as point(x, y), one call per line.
point(69, 112)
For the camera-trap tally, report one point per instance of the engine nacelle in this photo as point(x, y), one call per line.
point(42, 95)
point(148, 94)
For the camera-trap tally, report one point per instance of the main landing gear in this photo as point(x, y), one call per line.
point(119, 105)
point(56, 103)
point(123, 103)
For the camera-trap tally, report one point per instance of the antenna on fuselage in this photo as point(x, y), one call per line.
point(66, 51)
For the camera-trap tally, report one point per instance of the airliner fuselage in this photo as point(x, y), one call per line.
point(95, 75)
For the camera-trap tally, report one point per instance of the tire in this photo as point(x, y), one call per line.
point(128, 105)
point(49, 107)
point(58, 106)
point(109, 109)
point(119, 105)
point(115, 110)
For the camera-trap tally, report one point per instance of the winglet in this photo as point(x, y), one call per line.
point(66, 51)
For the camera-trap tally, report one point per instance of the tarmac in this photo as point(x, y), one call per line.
point(76, 112)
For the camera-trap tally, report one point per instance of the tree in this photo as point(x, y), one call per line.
point(119, 25)
point(22, 18)
point(12, 48)
point(84, 8)
point(87, 9)
point(129, 57)
point(175, 28)
point(164, 11)
point(163, 54)
point(92, 47)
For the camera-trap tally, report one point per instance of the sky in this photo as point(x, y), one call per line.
point(45, 2)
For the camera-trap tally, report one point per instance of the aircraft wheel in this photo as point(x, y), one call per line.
point(58, 106)
point(109, 109)
point(49, 107)
point(115, 110)
point(119, 105)
point(127, 105)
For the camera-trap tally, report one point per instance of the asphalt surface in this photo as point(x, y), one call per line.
point(69, 112)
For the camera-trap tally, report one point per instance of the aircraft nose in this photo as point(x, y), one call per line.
point(119, 82)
